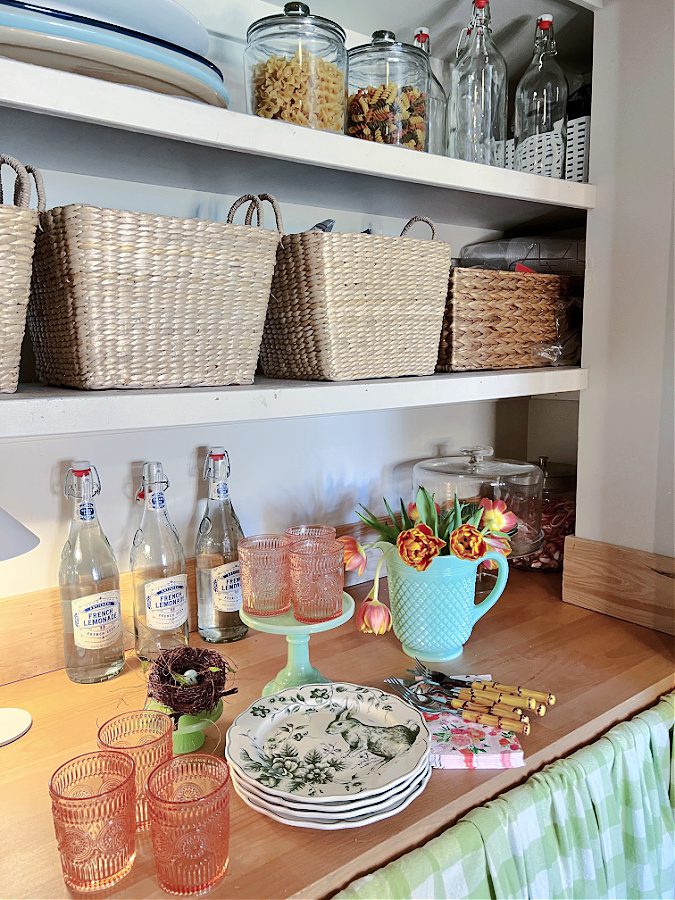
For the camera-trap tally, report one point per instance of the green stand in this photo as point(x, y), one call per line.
point(298, 669)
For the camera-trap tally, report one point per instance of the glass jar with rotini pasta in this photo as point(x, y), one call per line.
point(388, 92)
point(296, 69)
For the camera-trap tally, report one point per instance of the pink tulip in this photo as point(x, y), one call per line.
point(498, 545)
point(355, 555)
point(373, 617)
point(496, 517)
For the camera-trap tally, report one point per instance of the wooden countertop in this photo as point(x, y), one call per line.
point(603, 670)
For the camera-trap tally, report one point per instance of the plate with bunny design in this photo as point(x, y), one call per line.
point(323, 743)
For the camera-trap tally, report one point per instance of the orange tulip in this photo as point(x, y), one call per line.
point(418, 546)
point(415, 516)
point(373, 617)
point(466, 542)
point(355, 555)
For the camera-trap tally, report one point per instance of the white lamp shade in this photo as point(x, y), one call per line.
point(15, 538)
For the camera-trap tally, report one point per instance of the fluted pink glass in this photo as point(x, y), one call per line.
point(94, 810)
point(147, 737)
point(317, 579)
point(263, 566)
point(189, 803)
point(302, 532)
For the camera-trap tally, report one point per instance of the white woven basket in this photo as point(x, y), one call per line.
point(17, 242)
point(576, 152)
point(132, 300)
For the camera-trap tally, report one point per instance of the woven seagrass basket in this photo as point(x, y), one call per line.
point(132, 300)
point(17, 242)
point(499, 320)
point(352, 306)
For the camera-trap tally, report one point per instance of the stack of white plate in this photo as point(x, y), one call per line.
point(329, 756)
point(158, 46)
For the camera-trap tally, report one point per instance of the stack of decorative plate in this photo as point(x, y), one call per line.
point(105, 40)
point(329, 756)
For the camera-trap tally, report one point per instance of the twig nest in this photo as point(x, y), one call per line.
point(189, 680)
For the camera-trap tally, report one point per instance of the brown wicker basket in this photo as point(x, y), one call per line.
point(132, 300)
point(17, 241)
point(351, 306)
point(499, 320)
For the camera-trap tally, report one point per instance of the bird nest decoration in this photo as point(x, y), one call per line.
point(188, 684)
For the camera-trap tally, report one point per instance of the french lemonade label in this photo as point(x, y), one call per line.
point(226, 587)
point(86, 511)
point(218, 490)
point(166, 605)
point(97, 620)
point(155, 499)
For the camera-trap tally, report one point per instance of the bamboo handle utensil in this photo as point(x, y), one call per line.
point(541, 696)
point(497, 722)
point(515, 711)
point(497, 697)
point(504, 711)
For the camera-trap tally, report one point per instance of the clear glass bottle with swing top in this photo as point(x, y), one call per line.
point(540, 129)
point(479, 94)
point(219, 597)
point(89, 583)
point(158, 572)
point(437, 101)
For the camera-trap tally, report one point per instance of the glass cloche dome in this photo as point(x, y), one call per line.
point(475, 474)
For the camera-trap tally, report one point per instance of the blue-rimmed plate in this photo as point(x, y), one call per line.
point(164, 19)
point(76, 44)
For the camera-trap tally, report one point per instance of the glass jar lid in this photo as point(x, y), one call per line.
point(475, 463)
point(557, 476)
point(385, 42)
point(296, 16)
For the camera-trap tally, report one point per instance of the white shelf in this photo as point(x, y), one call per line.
point(382, 179)
point(36, 411)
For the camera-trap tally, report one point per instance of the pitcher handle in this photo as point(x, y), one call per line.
point(502, 575)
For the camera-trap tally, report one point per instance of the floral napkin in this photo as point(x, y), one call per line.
point(456, 744)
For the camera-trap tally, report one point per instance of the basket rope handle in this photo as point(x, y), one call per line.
point(409, 224)
point(255, 204)
point(36, 175)
point(21, 185)
point(275, 208)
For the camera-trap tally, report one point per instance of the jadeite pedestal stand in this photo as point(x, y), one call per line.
point(298, 669)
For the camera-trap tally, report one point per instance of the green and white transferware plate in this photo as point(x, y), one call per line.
point(369, 818)
point(328, 741)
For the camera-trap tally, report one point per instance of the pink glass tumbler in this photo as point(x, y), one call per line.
point(94, 810)
point(147, 737)
point(303, 532)
point(263, 565)
point(189, 803)
point(317, 579)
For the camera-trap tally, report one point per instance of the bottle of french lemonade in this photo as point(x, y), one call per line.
point(158, 572)
point(89, 581)
point(218, 584)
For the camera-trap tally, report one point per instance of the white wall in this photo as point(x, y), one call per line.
point(283, 471)
point(552, 427)
point(626, 425)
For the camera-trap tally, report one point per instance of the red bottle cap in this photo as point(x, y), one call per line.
point(81, 468)
point(480, 4)
point(544, 22)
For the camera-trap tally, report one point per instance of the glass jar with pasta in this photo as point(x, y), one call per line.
point(388, 91)
point(296, 69)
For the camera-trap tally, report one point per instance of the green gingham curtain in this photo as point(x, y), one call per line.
point(599, 824)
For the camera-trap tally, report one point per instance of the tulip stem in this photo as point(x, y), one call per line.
point(376, 580)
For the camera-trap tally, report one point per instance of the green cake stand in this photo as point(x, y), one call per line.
point(298, 669)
